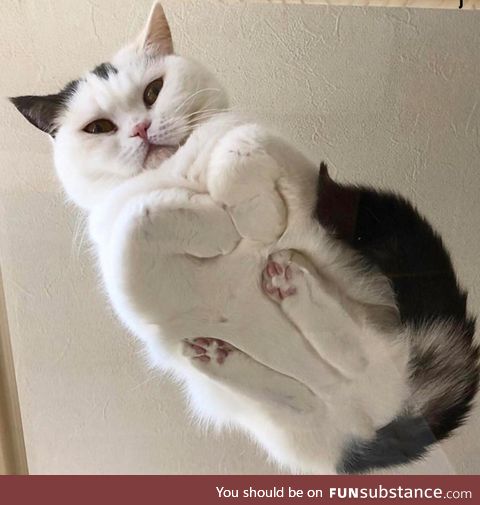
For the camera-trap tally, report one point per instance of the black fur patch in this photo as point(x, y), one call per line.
point(43, 111)
point(403, 440)
point(388, 232)
point(104, 70)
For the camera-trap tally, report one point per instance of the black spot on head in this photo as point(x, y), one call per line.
point(43, 111)
point(104, 70)
point(69, 90)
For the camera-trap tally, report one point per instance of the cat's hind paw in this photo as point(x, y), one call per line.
point(280, 276)
point(206, 350)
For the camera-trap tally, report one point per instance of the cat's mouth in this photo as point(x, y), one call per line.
point(157, 153)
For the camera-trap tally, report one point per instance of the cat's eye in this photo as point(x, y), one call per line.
point(100, 126)
point(152, 91)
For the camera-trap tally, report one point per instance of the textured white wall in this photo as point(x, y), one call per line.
point(385, 96)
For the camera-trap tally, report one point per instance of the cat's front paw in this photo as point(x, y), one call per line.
point(280, 276)
point(204, 350)
point(244, 178)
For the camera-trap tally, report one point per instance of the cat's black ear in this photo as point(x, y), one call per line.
point(41, 111)
point(156, 36)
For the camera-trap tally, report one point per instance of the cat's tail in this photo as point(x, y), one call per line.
point(444, 378)
point(444, 371)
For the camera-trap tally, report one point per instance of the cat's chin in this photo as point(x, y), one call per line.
point(157, 155)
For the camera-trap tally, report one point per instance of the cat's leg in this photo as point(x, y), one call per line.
point(181, 221)
point(236, 370)
point(243, 176)
point(317, 310)
point(295, 426)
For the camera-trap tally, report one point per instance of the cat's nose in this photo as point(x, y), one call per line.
point(140, 130)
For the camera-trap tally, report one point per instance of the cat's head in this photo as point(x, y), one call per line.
point(125, 116)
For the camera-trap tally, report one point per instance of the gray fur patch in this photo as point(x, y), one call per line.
point(104, 70)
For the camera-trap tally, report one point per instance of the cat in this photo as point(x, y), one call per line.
point(224, 250)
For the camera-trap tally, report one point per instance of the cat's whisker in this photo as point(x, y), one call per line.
point(174, 131)
point(201, 115)
point(152, 375)
point(196, 113)
point(79, 234)
point(193, 95)
point(206, 109)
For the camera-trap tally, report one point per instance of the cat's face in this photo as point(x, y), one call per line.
point(125, 116)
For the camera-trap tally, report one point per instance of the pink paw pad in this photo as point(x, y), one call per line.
point(206, 349)
point(277, 279)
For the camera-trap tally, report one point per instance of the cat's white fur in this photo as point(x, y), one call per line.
point(183, 241)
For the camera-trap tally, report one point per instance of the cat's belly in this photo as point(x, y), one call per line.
point(166, 297)
point(172, 297)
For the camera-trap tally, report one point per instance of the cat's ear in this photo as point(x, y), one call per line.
point(156, 36)
point(41, 111)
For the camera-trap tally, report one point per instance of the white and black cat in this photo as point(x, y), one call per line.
point(279, 299)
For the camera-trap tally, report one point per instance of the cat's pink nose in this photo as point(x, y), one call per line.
point(140, 130)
